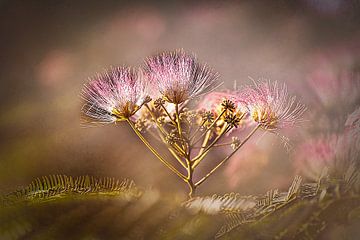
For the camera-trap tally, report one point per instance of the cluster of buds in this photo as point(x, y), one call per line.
point(155, 101)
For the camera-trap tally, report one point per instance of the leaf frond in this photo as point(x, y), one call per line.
point(50, 187)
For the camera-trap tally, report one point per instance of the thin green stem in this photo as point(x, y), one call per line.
point(218, 145)
point(168, 114)
point(180, 129)
point(227, 158)
point(197, 130)
point(210, 127)
point(192, 188)
point(155, 120)
point(189, 178)
point(205, 142)
point(163, 131)
point(172, 151)
point(203, 153)
point(178, 120)
point(148, 145)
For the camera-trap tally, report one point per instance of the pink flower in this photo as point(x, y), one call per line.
point(113, 96)
point(314, 155)
point(334, 85)
point(178, 77)
point(271, 106)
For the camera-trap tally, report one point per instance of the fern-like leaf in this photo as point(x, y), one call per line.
point(56, 186)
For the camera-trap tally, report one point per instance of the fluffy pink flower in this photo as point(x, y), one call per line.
point(332, 86)
point(178, 77)
point(270, 105)
point(113, 96)
point(314, 155)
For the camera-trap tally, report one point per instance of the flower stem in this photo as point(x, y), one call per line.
point(210, 127)
point(172, 151)
point(197, 130)
point(189, 179)
point(178, 120)
point(168, 114)
point(179, 128)
point(227, 158)
point(192, 189)
point(204, 152)
point(148, 145)
point(163, 131)
point(205, 142)
point(218, 145)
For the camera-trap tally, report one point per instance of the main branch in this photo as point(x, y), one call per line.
point(148, 145)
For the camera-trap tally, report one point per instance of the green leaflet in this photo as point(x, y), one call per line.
point(52, 187)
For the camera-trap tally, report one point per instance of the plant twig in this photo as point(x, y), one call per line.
point(163, 131)
point(180, 129)
point(172, 151)
point(148, 145)
point(204, 152)
point(227, 158)
point(211, 126)
point(168, 114)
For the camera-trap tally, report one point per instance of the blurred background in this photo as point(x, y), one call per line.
point(48, 49)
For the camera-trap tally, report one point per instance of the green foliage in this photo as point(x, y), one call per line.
point(241, 210)
point(53, 187)
point(63, 207)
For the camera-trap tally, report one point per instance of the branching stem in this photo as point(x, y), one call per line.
point(163, 131)
point(197, 130)
point(211, 126)
point(168, 114)
point(218, 145)
point(227, 158)
point(172, 151)
point(203, 153)
point(148, 145)
point(180, 129)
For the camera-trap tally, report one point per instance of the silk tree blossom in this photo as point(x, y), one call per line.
point(334, 86)
point(113, 96)
point(314, 155)
point(178, 76)
point(189, 134)
point(271, 106)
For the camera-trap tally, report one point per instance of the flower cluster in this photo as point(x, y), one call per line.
point(155, 98)
point(120, 92)
point(314, 155)
point(113, 96)
point(335, 154)
point(178, 76)
point(270, 106)
point(265, 103)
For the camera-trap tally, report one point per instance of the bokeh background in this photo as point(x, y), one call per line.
point(48, 49)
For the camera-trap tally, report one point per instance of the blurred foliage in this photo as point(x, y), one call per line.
point(64, 207)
